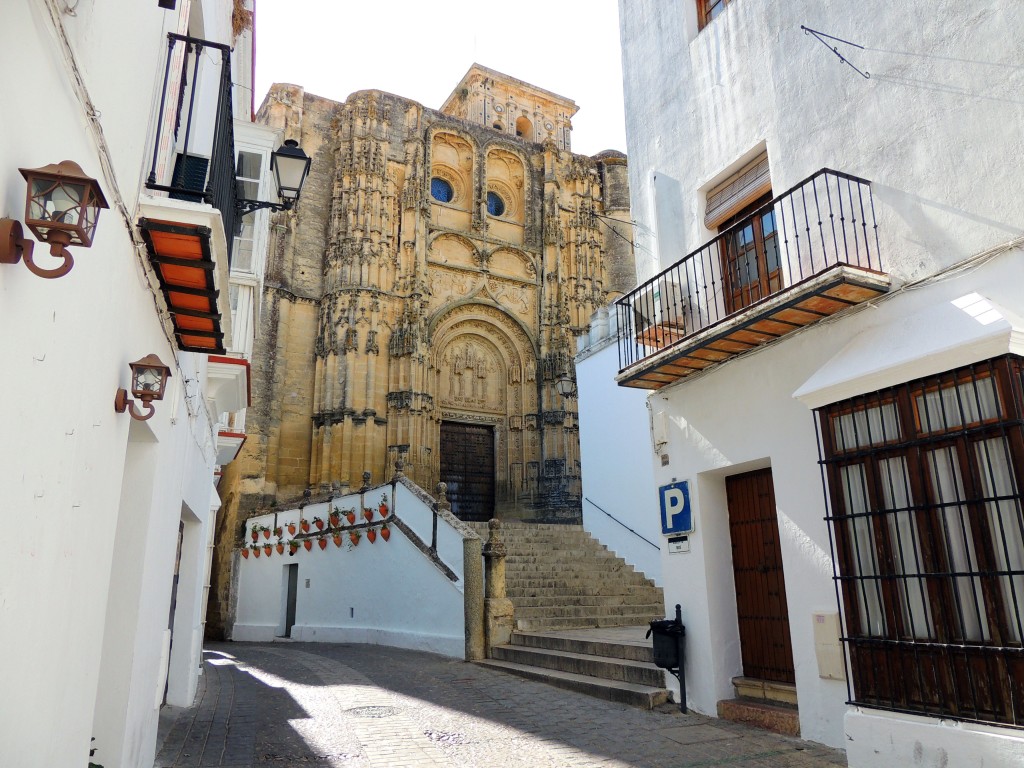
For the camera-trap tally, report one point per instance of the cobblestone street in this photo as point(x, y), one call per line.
point(363, 706)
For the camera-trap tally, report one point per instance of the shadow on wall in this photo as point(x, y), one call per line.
point(952, 79)
point(940, 230)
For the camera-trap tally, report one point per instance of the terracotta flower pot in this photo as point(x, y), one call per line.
point(293, 548)
point(257, 552)
point(371, 535)
point(245, 553)
point(385, 533)
point(266, 533)
point(267, 549)
point(383, 510)
point(304, 526)
point(351, 517)
point(280, 548)
point(335, 519)
point(308, 544)
point(319, 524)
point(322, 542)
point(291, 528)
point(337, 539)
point(368, 514)
point(354, 538)
point(255, 536)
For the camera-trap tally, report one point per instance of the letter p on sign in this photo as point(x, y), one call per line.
point(676, 516)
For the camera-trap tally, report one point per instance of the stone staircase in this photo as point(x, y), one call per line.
point(580, 615)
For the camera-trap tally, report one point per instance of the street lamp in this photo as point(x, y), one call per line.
point(566, 386)
point(62, 206)
point(290, 166)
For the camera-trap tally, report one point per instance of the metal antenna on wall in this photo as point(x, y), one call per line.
point(820, 35)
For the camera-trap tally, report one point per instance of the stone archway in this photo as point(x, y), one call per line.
point(483, 367)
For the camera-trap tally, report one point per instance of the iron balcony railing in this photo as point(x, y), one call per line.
point(194, 149)
point(825, 220)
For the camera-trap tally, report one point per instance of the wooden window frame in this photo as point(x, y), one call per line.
point(943, 671)
point(704, 10)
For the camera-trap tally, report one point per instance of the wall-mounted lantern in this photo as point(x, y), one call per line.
point(565, 384)
point(149, 380)
point(62, 206)
point(290, 166)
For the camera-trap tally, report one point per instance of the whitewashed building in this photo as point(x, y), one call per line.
point(829, 327)
point(109, 517)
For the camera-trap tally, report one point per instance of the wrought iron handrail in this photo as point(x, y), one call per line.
point(613, 517)
point(825, 220)
point(219, 187)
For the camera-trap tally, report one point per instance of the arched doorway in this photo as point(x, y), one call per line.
point(482, 363)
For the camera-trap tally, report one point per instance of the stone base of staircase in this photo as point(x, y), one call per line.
point(761, 714)
point(763, 704)
point(616, 665)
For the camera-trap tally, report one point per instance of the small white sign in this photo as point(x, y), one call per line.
point(677, 544)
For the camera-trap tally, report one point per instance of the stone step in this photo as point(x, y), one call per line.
point(534, 581)
point(552, 599)
point(592, 646)
point(646, 697)
point(561, 557)
point(604, 667)
point(580, 622)
point(595, 611)
point(761, 714)
point(640, 591)
point(596, 566)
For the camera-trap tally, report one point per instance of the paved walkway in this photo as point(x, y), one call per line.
point(362, 706)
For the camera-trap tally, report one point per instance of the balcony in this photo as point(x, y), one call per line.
point(807, 254)
point(188, 219)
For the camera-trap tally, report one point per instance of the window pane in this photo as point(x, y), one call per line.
point(441, 190)
point(867, 426)
point(905, 540)
point(1006, 521)
point(495, 205)
point(958, 537)
point(955, 406)
point(249, 165)
point(862, 551)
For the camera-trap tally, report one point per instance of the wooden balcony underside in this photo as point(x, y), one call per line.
point(677, 355)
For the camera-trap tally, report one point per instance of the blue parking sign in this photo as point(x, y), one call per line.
point(676, 516)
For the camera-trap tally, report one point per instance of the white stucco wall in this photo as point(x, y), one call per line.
point(386, 592)
point(932, 129)
point(616, 454)
point(95, 496)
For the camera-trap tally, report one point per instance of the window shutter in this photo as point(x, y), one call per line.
point(736, 192)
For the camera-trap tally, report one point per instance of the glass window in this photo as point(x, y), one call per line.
point(441, 190)
point(495, 205)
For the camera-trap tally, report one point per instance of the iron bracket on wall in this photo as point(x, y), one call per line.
point(819, 37)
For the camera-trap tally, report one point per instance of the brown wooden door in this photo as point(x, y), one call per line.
point(467, 466)
point(760, 587)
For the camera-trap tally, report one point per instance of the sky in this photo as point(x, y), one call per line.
point(420, 49)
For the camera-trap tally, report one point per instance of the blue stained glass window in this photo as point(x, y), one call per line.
point(441, 190)
point(495, 205)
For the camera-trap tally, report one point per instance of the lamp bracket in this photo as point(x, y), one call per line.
point(248, 206)
point(13, 243)
point(14, 246)
point(123, 403)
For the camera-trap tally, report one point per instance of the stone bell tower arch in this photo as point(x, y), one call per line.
point(483, 373)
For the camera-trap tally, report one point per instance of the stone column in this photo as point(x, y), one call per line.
point(473, 587)
point(499, 613)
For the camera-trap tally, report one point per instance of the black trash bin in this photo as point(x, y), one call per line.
point(669, 644)
point(666, 634)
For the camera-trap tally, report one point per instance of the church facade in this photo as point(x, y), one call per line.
point(423, 299)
